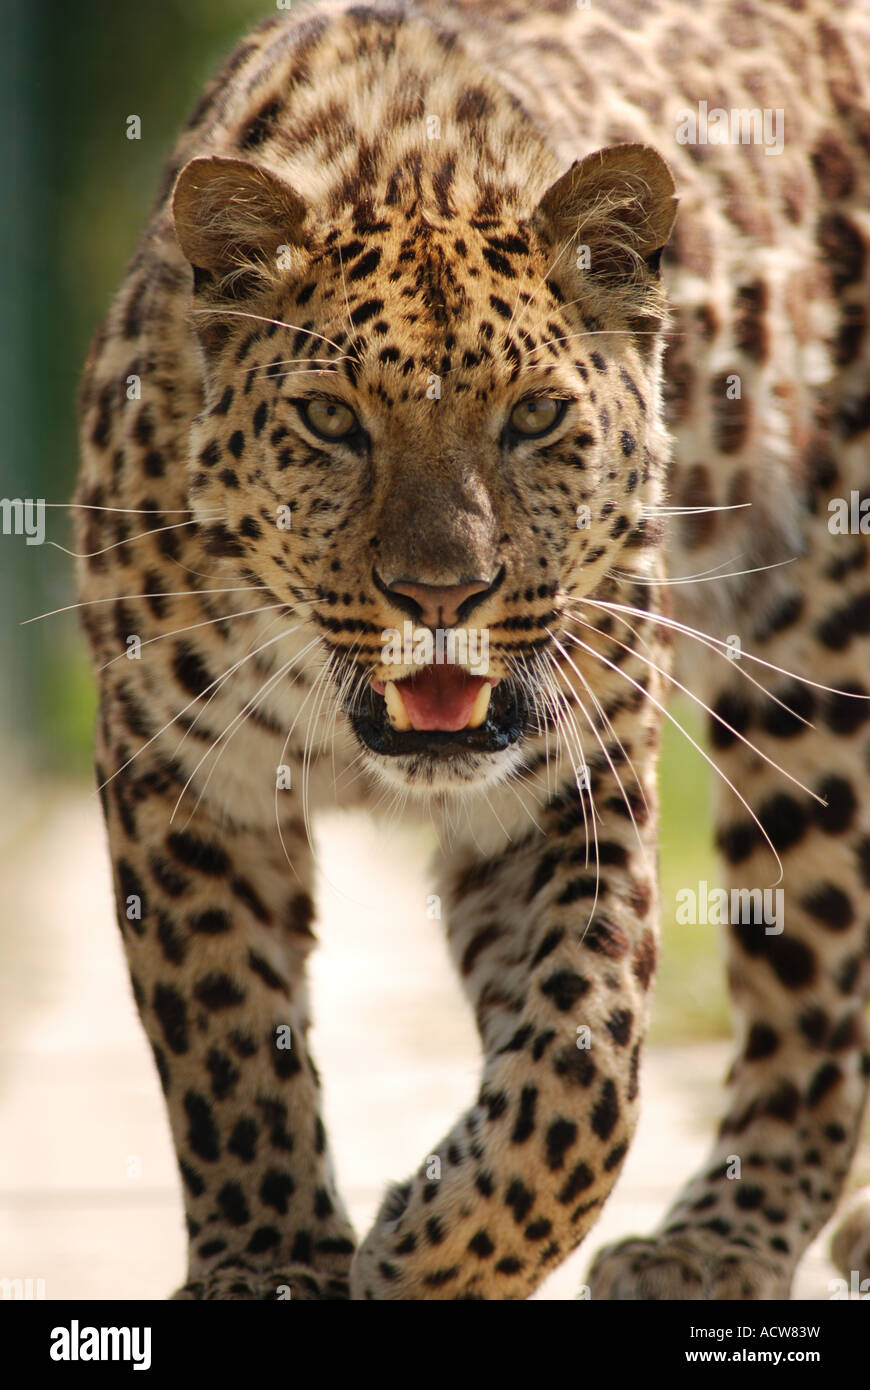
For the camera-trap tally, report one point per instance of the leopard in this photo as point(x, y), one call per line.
point(485, 374)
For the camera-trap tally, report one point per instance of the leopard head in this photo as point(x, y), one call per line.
point(427, 428)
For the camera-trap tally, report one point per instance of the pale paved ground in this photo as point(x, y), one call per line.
point(80, 1103)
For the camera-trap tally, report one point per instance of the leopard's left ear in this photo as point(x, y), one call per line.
point(233, 219)
point(617, 207)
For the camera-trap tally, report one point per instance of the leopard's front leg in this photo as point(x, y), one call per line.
point(557, 960)
point(216, 930)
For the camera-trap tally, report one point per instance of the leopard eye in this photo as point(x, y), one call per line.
point(536, 416)
point(329, 419)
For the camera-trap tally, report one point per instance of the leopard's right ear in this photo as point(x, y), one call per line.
point(237, 223)
point(621, 201)
point(616, 206)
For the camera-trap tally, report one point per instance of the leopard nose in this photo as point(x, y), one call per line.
point(437, 605)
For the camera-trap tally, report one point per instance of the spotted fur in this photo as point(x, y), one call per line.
point(383, 205)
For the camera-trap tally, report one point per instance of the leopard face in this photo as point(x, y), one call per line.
point(425, 435)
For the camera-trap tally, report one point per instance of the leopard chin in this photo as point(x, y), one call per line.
point(426, 775)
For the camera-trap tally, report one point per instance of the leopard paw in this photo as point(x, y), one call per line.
point(682, 1268)
point(234, 1279)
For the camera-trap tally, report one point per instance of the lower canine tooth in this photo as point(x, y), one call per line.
point(396, 708)
point(480, 706)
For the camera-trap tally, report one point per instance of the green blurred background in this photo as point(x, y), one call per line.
point(77, 194)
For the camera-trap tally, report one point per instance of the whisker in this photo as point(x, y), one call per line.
point(593, 812)
point(712, 713)
point(520, 290)
point(307, 755)
point(705, 577)
point(509, 837)
point(131, 511)
point(121, 598)
point(227, 734)
point(140, 535)
point(607, 724)
point(710, 761)
point(345, 685)
point(355, 761)
point(522, 777)
point(720, 642)
point(720, 650)
point(564, 716)
point(180, 712)
point(692, 511)
point(602, 745)
point(236, 723)
point(534, 693)
point(714, 570)
point(207, 622)
point(278, 323)
point(545, 676)
point(549, 703)
point(597, 333)
point(353, 333)
point(321, 675)
point(313, 371)
point(292, 361)
point(595, 847)
point(222, 681)
point(547, 273)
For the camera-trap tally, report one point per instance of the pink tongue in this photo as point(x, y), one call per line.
point(441, 697)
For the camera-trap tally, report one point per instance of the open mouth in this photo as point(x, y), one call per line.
point(442, 710)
